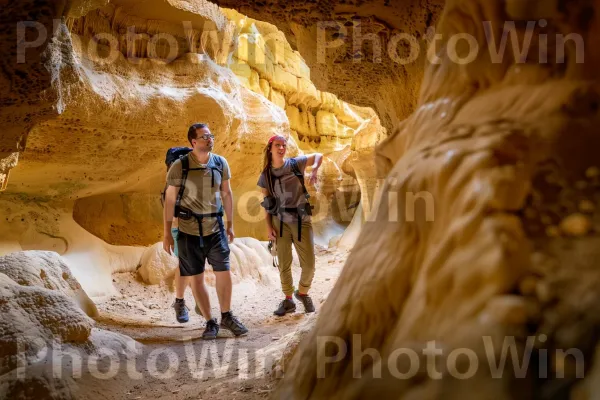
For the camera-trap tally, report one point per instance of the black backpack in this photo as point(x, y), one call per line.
point(273, 207)
point(176, 153)
point(182, 212)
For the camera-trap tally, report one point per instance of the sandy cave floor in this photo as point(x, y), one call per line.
point(144, 313)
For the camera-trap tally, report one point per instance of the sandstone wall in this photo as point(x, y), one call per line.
point(341, 53)
point(120, 98)
point(506, 152)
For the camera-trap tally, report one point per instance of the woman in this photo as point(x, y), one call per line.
point(288, 218)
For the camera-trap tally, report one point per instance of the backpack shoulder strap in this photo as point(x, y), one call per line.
point(269, 178)
point(185, 164)
point(185, 168)
point(300, 175)
point(163, 194)
point(218, 162)
point(218, 168)
point(296, 169)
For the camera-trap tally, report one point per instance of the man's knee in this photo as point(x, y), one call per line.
point(197, 279)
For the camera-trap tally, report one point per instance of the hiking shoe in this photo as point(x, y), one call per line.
point(231, 323)
point(181, 312)
point(306, 302)
point(286, 306)
point(211, 330)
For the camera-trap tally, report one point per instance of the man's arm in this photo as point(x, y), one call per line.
point(227, 198)
point(168, 214)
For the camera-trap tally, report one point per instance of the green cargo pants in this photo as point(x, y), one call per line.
point(306, 254)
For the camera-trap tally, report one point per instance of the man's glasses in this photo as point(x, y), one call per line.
point(206, 137)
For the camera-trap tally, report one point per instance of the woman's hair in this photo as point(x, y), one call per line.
point(268, 159)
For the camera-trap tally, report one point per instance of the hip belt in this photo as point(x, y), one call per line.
point(273, 206)
point(299, 222)
point(187, 214)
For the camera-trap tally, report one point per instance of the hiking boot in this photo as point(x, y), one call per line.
point(286, 306)
point(211, 330)
point(181, 312)
point(306, 302)
point(230, 322)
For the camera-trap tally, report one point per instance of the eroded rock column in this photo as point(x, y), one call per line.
point(504, 149)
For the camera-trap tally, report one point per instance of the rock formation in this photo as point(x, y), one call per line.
point(265, 63)
point(43, 309)
point(92, 96)
point(122, 85)
point(345, 44)
point(503, 241)
point(92, 93)
point(249, 260)
point(485, 227)
point(46, 270)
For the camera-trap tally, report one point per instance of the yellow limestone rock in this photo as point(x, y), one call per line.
point(294, 63)
point(345, 132)
point(242, 70)
point(327, 123)
point(329, 101)
point(254, 82)
point(474, 121)
point(265, 88)
point(576, 225)
point(246, 74)
point(248, 26)
point(312, 125)
point(303, 126)
point(247, 49)
point(303, 69)
point(48, 270)
point(346, 115)
point(156, 264)
point(334, 136)
point(293, 114)
point(308, 93)
point(277, 98)
point(252, 49)
point(276, 43)
point(284, 81)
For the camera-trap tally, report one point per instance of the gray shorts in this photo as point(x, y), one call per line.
point(192, 257)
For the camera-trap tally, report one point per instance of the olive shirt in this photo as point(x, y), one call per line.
point(199, 196)
point(288, 188)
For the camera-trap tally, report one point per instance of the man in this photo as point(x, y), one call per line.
point(197, 200)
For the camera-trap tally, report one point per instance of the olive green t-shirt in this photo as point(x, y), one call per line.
point(198, 195)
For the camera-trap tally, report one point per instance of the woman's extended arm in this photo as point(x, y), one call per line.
point(315, 160)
